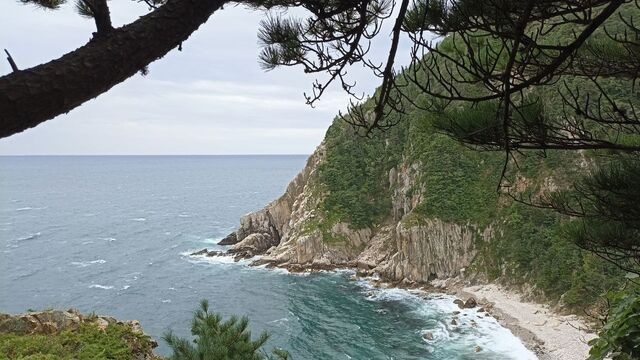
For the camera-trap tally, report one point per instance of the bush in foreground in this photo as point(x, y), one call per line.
point(220, 340)
point(87, 342)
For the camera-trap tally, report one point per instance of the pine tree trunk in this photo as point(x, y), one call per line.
point(32, 96)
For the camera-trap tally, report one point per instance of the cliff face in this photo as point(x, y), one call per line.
point(413, 205)
point(294, 232)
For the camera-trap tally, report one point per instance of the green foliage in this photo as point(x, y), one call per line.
point(47, 4)
point(355, 174)
point(324, 225)
point(88, 342)
point(533, 250)
point(619, 339)
point(459, 184)
point(530, 246)
point(220, 340)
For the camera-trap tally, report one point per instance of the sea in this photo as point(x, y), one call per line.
point(113, 234)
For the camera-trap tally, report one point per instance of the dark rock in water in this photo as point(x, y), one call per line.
point(470, 303)
point(459, 302)
point(428, 335)
point(208, 253)
point(252, 245)
point(481, 309)
point(456, 312)
point(266, 261)
point(201, 252)
point(454, 322)
point(478, 349)
point(230, 239)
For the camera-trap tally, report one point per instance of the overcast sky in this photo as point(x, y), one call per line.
point(211, 98)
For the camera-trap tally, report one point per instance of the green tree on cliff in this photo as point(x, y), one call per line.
point(516, 76)
point(489, 82)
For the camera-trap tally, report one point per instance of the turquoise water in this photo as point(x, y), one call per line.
point(113, 234)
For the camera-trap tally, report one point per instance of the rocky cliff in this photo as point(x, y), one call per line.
point(294, 232)
point(411, 204)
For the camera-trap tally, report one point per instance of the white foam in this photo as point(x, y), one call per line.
point(139, 219)
point(199, 259)
point(98, 286)
point(278, 270)
point(213, 241)
point(279, 321)
point(82, 264)
point(126, 287)
point(30, 236)
point(109, 239)
point(131, 277)
point(165, 301)
point(27, 208)
point(483, 331)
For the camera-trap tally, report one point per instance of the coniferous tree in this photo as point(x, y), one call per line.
point(216, 339)
point(519, 76)
point(489, 82)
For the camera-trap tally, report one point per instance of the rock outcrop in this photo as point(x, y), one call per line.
point(291, 232)
point(55, 321)
point(230, 239)
point(432, 249)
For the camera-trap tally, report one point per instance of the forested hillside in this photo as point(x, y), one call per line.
point(460, 184)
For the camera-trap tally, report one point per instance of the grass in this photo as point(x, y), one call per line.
point(88, 342)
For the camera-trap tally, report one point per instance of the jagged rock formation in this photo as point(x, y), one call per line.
point(291, 232)
point(431, 250)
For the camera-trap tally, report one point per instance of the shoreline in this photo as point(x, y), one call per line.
point(548, 334)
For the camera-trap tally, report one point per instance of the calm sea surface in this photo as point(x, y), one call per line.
point(112, 235)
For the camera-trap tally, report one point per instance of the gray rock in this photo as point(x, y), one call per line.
point(200, 252)
point(230, 239)
point(470, 303)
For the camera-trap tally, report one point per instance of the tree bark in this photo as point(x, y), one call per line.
point(101, 15)
point(32, 96)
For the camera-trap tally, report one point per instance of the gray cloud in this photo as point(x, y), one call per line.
point(211, 98)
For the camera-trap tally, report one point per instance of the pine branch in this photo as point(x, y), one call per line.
point(12, 63)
